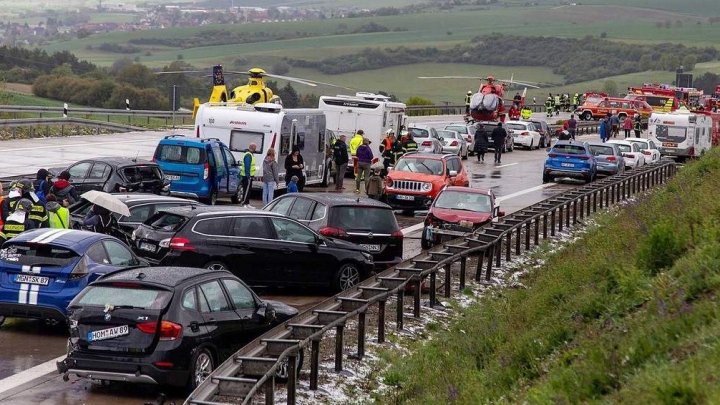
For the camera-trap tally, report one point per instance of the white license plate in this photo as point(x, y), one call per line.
point(108, 333)
point(567, 165)
point(28, 279)
point(372, 248)
point(406, 197)
point(172, 177)
point(147, 246)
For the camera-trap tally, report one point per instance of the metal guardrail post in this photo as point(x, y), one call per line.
point(463, 264)
point(433, 286)
point(399, 309)
point(552, 223)
point(527, 235)
point(314, 363)
point(537, 231)
point(447, 280)
point(574, 211)
point(567, 215)
point(508, 245)
point(381, 321)
point(560, 218)
point(498, 252)
point(417, 290)
point(361, 335)
point(270, 391)
point(490, 250)
point(545, 226)
point(479, 267)
point(339, 332)
point(292, 379)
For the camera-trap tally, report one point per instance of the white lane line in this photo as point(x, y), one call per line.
point(24, 377)
point(417, 227)
point(509, 164)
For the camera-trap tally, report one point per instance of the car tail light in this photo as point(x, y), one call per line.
point(333, 232)
point(526, 133)
point(168, 330)
point(611, 158)
point(630, 155)
point(177, 243)
point(164, 364)
point(583, 157)
point(206, 171)
point(691, 151)
point(80, 270)
point(552, 155)
point(454, 143)
point(426, 143)
point(646, 152)
point(397, 234)
point(469, 139)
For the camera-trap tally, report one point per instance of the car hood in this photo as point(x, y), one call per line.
point(398, 175)
point(455, 216)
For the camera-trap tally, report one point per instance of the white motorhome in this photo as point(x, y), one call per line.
point(269, 126)
point(373, 113)
point(681, 133)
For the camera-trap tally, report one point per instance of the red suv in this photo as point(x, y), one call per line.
point(417, 178)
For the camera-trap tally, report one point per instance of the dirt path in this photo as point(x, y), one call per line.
point(18, 88)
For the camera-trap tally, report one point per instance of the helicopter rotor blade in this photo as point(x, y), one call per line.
point(452, 77)
point(177, 72)
point(307, 82)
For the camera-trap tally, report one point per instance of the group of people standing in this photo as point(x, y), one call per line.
point(561, 102)
point(482, 143)
point(609, 126)
point(294, 173)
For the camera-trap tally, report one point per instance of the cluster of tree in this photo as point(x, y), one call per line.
point(577, 60)
point(707, 82)
point(25, 65)
point(212, 37)
point(116, 48)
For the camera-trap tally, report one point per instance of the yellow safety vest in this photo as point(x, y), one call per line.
point(252, 164)
point(59, 219)
point(355, 143)
point(526, 113)
point(11, 229)
point(467, 100)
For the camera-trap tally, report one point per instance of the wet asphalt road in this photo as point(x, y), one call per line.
point(24, 344)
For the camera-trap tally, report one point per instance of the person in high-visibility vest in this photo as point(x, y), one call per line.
point(247, 172)
point(17, 222)
point(549, 106)
point(58, 216)
point(525, 113)
point(468, 97)
point(355, 143)
point(576, 99)
point(386, 150)
point(557, 104)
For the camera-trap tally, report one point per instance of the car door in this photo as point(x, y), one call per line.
point(233, 168)
point(98, 262)
point(281, 205)
point(221, 174)
point(78, 173)
point(222, 322)
point(246, 307)
point(252, 249)
point(300, 258)
point(97, 177)
point(301, 210)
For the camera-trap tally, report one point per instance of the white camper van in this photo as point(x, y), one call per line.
point(681, 133)
point(373, 113)
point(269, 126)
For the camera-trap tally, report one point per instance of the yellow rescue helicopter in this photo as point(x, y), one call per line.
point(255, 91)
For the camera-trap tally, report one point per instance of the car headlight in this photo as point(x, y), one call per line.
point(367, 256)
point(426, 187)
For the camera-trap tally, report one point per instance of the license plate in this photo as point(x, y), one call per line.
point(172, 177)
point(567, 165)
point(108, 333)
point(406, 197)
point(372, 248)
point(669, 145)
point(28, 279)
point(147, 246)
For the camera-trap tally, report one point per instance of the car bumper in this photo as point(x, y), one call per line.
point(125, 369)
point(451, 149)
point(399, 200)
point(526, 141)
point(567, 173)
point(608, 169)
point(675, 152)
point(14, 310)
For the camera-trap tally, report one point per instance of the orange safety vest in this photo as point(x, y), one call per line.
point(387, 143)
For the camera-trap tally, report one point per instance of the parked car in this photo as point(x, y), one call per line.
point(417, 178)
point(457, 211)
point(426, 137)
point(570, 159)
point(43, 269)
point(545, 133)
point(117, 174)
point(453, 142)
point(609, 158)
point(524, 134)
point(361, 220)
point(648, 148)
point(634, 157)
point(467, 131)
point(200, 168)
point(262, 248)
point(599, 107)
point(489, 127)
point(164, 325)
point(141, 207)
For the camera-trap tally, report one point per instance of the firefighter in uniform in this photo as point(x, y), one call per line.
point(576, 101)
point(410, 145)
point(556, 104)
point(397, 150)
point(549, 106)
point(468, 97)
point(386, 150)
point(24, 189)
point(17, 222)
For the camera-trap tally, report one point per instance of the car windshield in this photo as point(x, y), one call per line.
point(642, 145)
point(598, 150)
point(180, 154)
point(447, 134)
point(624, 148)
point(420, 165)
point(166, 221)
point(569, 149)
point(133, 297)
point(539, 126)
point(458, 128)
point(419, 132)
point(665, 133)
point(519, 127)
point(458, 200)
point(35, 254)
point(378, 220)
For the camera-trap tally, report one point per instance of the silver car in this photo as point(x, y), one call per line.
point(465, 129)
point(426, 137)
point(609, 158)
point(453, 142)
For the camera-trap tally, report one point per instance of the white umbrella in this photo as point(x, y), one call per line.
point(107, 201)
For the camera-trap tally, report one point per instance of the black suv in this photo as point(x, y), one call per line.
point(117, 174)
point(164, 325)
point(361, 220)
point(489, 127)
point(260, 247)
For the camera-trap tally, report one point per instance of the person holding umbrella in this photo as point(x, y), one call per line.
point(99, 218)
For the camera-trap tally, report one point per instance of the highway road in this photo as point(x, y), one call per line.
point(28, 349)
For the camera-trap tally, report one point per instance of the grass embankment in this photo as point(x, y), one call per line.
point(628, 314)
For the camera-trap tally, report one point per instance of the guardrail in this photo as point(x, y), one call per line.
point(68, 123)
point(253, 368)
point(170, 117)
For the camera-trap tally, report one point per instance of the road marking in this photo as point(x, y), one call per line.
point(509, 164)
point(16, 380)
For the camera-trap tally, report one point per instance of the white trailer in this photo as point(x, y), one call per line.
point(681, 133)
point(373, 113)
point(269, 126)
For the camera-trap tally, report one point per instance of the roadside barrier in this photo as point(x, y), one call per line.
point(251, 371)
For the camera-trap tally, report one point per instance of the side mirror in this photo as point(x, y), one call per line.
point(453, 173)
point(547, 149)
point(391, 167)
point(266, 311)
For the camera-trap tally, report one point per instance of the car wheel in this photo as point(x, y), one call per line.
point(282, 372)
point(547, 178)
point(2, 320)
point(512, 147)
point(587, 116)
point(235, 198)
point(326, 175)
point(212, 199)
point(201, 366)
point(532, 141)
point(425, 243)
point(216, 265)
point(346, 277)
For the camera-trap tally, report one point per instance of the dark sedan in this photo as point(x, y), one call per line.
point(164, 325)
point(262, 248)
point(117, 174)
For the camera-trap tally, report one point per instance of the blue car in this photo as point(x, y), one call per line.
point(200, 168)
point(42, 270)
point(570, 159)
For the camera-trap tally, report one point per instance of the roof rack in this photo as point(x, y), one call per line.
point(203, 140)
point(174, 136)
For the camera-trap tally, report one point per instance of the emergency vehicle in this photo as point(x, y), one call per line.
point(269, 125)
point(682, 133)
point(596, 108)
point(373, 113)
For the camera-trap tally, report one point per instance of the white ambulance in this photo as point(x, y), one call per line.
point(268, 126)
point(681, 133)
point(373, 113)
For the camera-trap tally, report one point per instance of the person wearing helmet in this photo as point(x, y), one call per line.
point(468, 97)
point(24, 189)
point(19, 221)
point(386, 150)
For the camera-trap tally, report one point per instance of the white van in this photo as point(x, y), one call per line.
point(681, 133)
point(269, 126)
point(373, 113)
